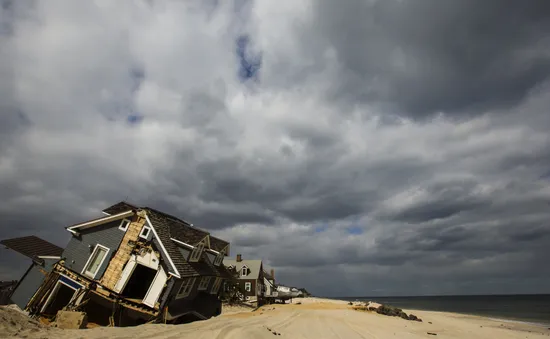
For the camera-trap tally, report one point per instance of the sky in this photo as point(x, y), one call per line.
point(360, 148)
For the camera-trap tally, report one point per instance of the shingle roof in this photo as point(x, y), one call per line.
point(205, 267)
point(186, 233)
point(255, 267)
point(164, 228)
point(119, 207)
point(217, 244)
point(224, 272)
point(32, 247)
point(163, 231)
point(167, 227)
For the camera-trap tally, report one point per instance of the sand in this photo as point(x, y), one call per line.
point(313, 318)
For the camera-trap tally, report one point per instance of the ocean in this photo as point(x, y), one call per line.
point(533, 309)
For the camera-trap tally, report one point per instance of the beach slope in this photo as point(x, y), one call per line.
point(313, 318)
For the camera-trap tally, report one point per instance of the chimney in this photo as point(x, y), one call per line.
point(273, 274)
point(239, 258)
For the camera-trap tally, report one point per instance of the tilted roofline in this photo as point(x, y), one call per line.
point(99, 221)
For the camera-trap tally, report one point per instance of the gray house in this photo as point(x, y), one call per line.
point(134, 265)
point(251, 279)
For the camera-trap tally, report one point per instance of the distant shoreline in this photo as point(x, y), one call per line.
point(531, 309)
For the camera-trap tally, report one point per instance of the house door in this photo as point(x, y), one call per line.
point(156, 288)
point(126, 273)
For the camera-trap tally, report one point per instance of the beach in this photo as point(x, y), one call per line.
point(304, 318)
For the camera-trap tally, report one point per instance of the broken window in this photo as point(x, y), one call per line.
point(197, 251)
point(186, 287)
point(248, 286)
point(97, 257)
point(204, 283)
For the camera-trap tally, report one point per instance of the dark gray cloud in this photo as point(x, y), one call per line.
point(424, 57)
point(332, 166)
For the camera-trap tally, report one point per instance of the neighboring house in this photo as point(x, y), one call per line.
point(43, 255)
point(133, 265)
point(251, 278)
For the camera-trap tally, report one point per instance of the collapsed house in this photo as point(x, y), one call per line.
point(132, 266)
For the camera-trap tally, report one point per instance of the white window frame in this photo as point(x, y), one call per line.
point(56, 288)
point(216, 286)
point(141, 235)
point(197, 252)
point(125, 222)
point(219, 258)
point(203, 285)
point(242, 271)
point(186, 287)
point(90, 274)
point(248, 286)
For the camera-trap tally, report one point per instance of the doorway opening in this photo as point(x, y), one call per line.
point(61, 296)
point(139, 282)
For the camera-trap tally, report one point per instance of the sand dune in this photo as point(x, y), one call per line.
point(314, 318)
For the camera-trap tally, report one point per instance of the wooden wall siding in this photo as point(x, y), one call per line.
point(123, 254)
point(78, 252)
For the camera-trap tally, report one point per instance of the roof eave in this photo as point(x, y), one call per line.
point(175, 273)
point(100, 221)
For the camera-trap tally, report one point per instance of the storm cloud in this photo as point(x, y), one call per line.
point(359, 148)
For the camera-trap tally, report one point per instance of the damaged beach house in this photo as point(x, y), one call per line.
point(131, 266)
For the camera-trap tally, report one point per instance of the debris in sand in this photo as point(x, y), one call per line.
point(390, 311)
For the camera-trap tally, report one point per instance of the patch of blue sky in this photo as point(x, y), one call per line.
point(354, 230)
point(250, 62)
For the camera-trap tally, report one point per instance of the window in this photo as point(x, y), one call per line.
point(219, 259)
point(204, 283)
point(216, 286)
point(248, 286)
point(186, 287)
point(196, 254)
point(124, 225)
point(99, 254)
point(245, 271)
point(144, 232)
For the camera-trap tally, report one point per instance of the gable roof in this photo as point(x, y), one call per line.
point(168, 227)
point(33, 247)
point(255, 266)
point(179, 229)
point(164, 228)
